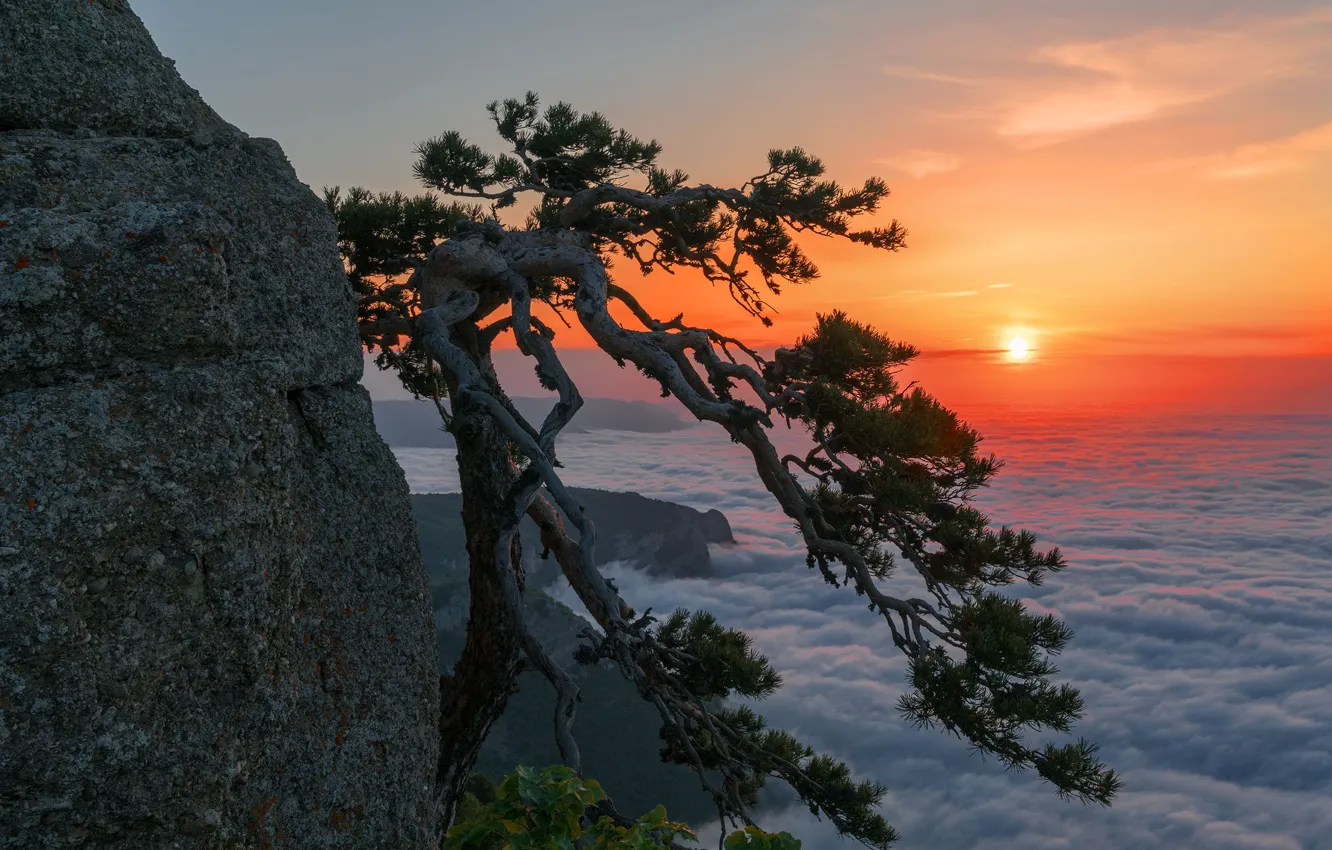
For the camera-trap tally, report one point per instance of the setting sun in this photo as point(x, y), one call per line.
point(1018, 348)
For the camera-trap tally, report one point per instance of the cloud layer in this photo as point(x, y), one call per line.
point(1200, 593)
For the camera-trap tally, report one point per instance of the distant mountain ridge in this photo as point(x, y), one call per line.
point(417, 423)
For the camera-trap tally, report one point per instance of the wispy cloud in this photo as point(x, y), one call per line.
point(910, 73)
point(1100, 84)
point(1259, 159)
point(1001, 286)
point(922, 163)
point(1214, 332)
point(1210, 339)
point(933, 353)
point(922, 294)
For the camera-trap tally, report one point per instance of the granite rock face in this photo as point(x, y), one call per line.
point(214, 623)
point(70, 64)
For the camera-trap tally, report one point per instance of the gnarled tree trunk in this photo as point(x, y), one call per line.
point(474, 696)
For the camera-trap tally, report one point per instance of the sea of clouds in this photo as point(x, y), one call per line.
point(1200, 593)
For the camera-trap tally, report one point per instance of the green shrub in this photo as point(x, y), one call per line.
point(547, 810)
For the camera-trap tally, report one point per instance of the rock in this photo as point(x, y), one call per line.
point(662, 538)
point(616, 728)
point(715, 528)
point(72, 64)
point(173, 317)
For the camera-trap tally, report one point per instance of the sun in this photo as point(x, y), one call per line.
point(1018, 348)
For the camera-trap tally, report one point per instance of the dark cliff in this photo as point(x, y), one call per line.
point(214, 622)
point(616, 729)
point(663, 538)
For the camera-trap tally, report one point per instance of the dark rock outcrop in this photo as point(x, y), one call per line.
point(666, 539)
point(89, 64)
point(214, 623)
point(662, 538)
point(617, 729)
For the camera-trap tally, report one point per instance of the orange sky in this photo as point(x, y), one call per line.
point(1165, 191)
point(1129, 180)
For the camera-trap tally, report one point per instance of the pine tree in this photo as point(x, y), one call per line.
point(881, 500)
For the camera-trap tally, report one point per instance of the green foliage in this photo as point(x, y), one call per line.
point(1001, 688)
point(714, 661)
point(562, 154)
point(379, 237)
point(753, 838)
point(726, 234)
point(478, 792)
point(566, 150)
point(376, 232)
point(896, 468)
point(450, 164)
point(824, 784)
point(560, 151)
point(548, 810)
point(531, 810)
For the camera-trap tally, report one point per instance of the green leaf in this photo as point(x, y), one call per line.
point(656, 817)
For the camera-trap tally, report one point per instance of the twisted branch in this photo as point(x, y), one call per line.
point(660, 352)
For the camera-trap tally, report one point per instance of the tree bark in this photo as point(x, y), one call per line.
point(474, 696)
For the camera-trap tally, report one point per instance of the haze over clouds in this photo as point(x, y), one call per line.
point(1200, 592)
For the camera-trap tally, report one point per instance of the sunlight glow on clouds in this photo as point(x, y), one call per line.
point(908, 73)
point(1259, 159)
point(1124, 80)
point(1282, 155)
point(922, 163)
